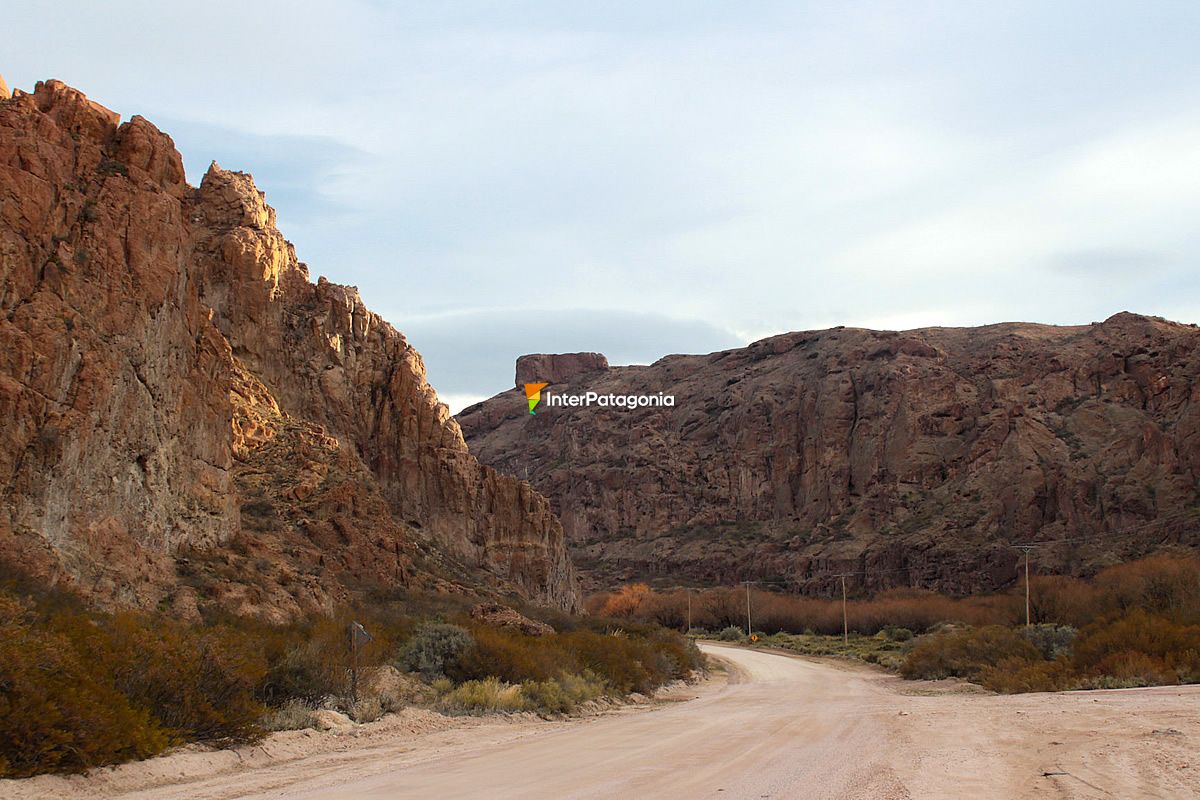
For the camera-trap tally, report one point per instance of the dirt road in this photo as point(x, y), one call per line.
point(782, 727)
point(785, 729)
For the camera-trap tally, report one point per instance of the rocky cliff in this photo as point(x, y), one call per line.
point(188, 419)
point(908, 458)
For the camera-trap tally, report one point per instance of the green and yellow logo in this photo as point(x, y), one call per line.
point(533, 393)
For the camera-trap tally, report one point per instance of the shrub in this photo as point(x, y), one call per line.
point(487, 695)
point(61, 713)
point(563, 695)
point(731, 634)
point(435, 649)
point(294, 715)
point(967, 653)
point(1051, 640)
point(199, 683)
point(364, 709)
point(312, 660)
point(895, 634)
point(1015, 674)
point(1139, 647)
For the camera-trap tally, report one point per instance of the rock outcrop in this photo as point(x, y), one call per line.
point(501, 616)
point(557, 368)
point(910, 458)
point(189, 419)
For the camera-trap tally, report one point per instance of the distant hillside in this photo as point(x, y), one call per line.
point(911, 458)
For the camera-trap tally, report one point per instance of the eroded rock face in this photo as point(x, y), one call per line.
point(915, 457)
point(189, 419)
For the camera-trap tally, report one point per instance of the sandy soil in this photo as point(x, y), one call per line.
point(777, 727)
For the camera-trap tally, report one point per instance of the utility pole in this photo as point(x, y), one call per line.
point(1026, 549)
point(749, 627)
point(845, 616)
point(689, 597)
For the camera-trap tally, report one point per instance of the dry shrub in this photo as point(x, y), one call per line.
point(626, 601)
point(639, 661)
point(1016, 674)
point(59, 712)
point(562, 695)
point(199, 683)
point(293, 715)
point(1139, 646)
point(489, 695)
point(1053, 641)
point(1063, 600)
point(1168, 586)
point(775, 612)
point(312, 660)
point(967, 653)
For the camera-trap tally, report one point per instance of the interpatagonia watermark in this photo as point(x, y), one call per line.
point(533, 395)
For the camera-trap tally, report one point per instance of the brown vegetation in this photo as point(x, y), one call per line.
point(713, 609)
point(1133, 624)
point(81, 688)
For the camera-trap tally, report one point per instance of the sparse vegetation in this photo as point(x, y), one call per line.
point(1133, 624)
point(81, 688)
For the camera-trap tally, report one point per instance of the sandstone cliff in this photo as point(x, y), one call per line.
point(188, 419)
point(912, 458)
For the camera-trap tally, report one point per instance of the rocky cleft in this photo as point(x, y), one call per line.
point(190, 420)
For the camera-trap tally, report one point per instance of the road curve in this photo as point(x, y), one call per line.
point(782, 728)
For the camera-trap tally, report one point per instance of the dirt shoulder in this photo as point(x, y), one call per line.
point(282, 759)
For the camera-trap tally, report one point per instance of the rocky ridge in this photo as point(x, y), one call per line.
point(909, 458)
point(190, 420)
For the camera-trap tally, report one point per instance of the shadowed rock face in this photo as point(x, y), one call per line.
point(914, 457)
point(189, 419)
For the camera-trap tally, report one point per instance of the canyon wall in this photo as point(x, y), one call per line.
point(907, 458)
point(190, 420)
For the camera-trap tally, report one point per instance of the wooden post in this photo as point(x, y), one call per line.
point(749, 627)
point(845, 617)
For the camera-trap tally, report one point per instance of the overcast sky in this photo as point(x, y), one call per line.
point(644, 178)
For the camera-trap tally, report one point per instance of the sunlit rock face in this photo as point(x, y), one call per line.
point(190, 420)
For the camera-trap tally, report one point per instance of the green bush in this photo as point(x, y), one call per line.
point(1051, 640)
point(435, 649)
point(731, 634)
point(895, 634)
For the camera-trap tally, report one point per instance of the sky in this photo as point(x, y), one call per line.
point(647, 178)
